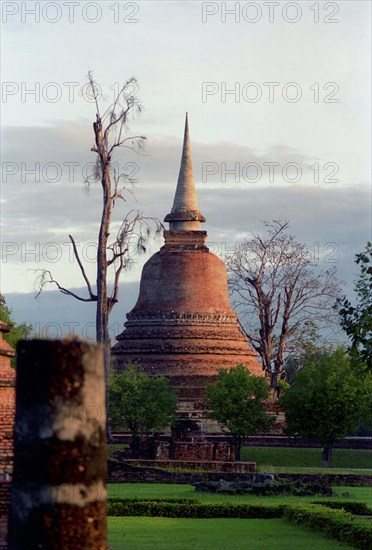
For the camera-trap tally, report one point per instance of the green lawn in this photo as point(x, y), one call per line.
point(135, 533)
point(165, 490)
point(291, 457)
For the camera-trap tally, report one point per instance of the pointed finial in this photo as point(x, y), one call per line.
point(185, 214)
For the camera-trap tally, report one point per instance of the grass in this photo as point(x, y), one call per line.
point(165, 490)
point(220, 534)
point(297, 458)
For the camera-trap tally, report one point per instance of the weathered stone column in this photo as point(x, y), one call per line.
point(58, 496)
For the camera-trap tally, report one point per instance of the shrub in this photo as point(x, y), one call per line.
point(171, 500)
point(334, 523)
point(174, 509)
point(357, 508)
point(269, 488)
point(296, 488)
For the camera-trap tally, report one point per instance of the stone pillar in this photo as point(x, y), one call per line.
point(58, 495)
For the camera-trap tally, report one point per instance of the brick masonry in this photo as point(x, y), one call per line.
point(197, 451)
point(4, 511)
point(7, 405)
point(183, 325)
point(207, 465)
point(7, 417)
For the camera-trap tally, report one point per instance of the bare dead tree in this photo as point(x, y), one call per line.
point(281, 293)
point(110, 133)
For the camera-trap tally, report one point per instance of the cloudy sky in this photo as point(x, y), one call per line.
point(278, 101)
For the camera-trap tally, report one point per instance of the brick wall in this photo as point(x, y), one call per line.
point(7, 418)
point(193, 451)
point(4, 507)
point(199, 451)
point(7, 414)
point(209, 466)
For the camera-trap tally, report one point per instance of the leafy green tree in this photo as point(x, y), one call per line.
point(357, 320)
point(309, 344)
point(18, 331)
point(329, 398)
point(236, 401)
point(141, 403)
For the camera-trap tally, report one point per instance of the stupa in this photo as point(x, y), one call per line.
point(183, 325)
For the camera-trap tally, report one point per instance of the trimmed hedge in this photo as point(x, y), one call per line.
point(336, 524)
point(357, 508)
point(171, 500)
point(270, 488)
point(171, 509)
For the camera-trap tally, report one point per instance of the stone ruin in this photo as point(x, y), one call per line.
point(265, 484)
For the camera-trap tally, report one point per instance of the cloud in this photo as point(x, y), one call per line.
point(61, 154)
point(333, 219)
point(334, 223)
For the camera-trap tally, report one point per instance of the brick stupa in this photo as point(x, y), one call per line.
point(183, 325)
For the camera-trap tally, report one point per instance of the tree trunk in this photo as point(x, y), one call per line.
point(135, 445)
point(238, 446)
point(102, 333)
point(107, 367)
point(102, 314)
point(274, 382)
point(327, 456)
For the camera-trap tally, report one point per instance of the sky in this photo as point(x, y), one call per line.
point(278, 96)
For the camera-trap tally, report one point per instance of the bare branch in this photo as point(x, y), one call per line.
point(136, 144)
point(76, 254)
point(93, 87)
point(46, 277)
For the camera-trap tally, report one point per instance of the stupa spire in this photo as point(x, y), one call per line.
point(185, 214)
